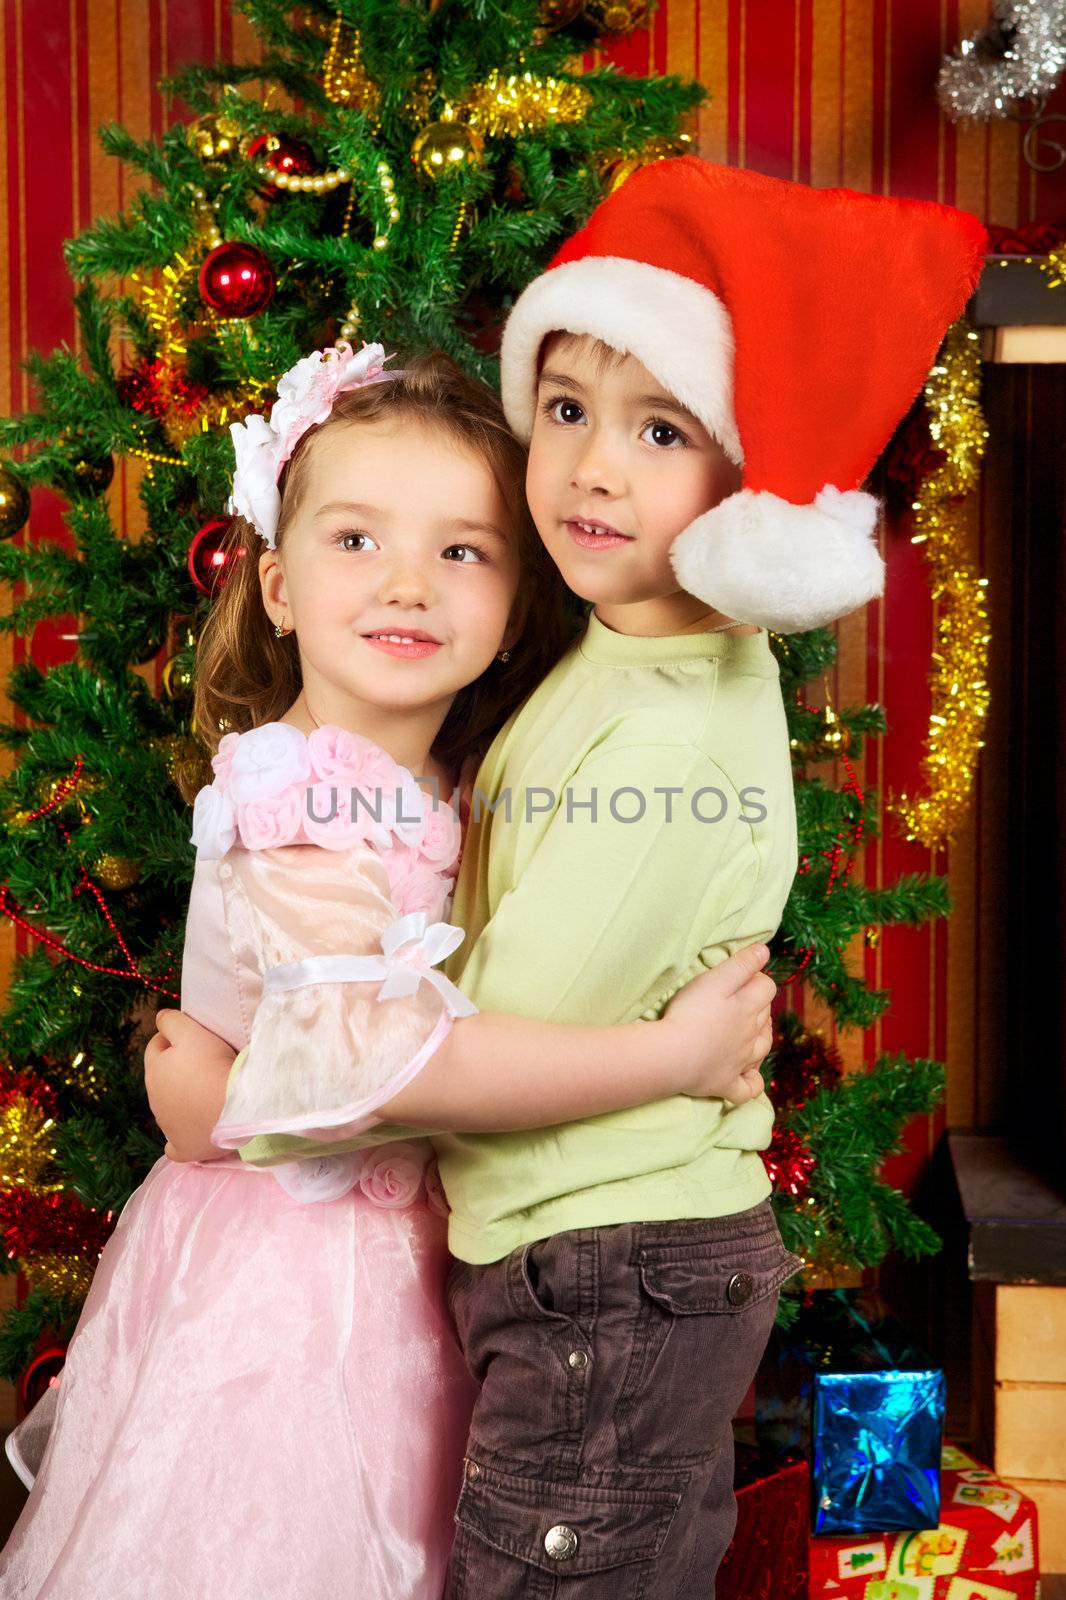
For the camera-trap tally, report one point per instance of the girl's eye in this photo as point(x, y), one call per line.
point(342, 540)
point(470, 549)
point(563, 410)
point(664, 435)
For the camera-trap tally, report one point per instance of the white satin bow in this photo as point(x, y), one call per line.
point(410, 951)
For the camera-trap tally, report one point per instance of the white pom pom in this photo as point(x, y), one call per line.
point(758, 558)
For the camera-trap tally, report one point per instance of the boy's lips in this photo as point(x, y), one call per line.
point(592, 534)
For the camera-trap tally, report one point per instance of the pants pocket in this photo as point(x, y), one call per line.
point(521, 1537)
point(705, 1310)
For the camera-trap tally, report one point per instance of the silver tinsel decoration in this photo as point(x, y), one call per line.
point(1020, 56)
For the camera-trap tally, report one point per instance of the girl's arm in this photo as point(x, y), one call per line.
point(496, 1072)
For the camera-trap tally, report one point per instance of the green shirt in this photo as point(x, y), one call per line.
point(573, 915)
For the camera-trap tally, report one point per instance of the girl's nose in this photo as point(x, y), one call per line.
point(406, 581)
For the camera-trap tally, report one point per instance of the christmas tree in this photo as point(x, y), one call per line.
point(388, 170)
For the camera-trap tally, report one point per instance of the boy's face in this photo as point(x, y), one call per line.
point(611, 449)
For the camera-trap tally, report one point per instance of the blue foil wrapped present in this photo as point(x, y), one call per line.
point(847, 1386)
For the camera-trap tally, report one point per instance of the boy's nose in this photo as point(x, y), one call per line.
point(596, 471)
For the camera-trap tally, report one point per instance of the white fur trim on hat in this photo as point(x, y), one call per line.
point(674, 326)
point(757, 558)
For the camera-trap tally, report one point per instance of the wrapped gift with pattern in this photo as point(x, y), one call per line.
point(847, 1387)
point(985, 1548)
point(767, 1559)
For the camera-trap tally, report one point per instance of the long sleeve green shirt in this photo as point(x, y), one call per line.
point(600, 906)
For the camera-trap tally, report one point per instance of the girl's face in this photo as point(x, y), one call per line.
point(401, 531)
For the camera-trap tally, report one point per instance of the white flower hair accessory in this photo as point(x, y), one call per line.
point(306, 395)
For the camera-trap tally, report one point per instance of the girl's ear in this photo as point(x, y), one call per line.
point(516, 623)
point(272, 585)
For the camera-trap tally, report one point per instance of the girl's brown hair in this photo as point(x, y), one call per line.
point(246, 676)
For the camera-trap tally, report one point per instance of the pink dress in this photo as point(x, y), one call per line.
point(264, 1397)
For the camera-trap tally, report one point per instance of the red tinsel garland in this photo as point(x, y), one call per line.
point(26, 1086)
point(51, 1224)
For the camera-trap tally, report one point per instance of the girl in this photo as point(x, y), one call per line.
point(264, 1397)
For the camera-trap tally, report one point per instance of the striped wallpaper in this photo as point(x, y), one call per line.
point(827, 91)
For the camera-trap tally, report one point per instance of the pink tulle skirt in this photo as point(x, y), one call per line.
point(263, 1400)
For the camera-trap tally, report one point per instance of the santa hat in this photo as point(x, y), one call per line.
point(797, 325)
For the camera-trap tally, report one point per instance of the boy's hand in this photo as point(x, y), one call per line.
point(185, 1072)
point(721, 1028)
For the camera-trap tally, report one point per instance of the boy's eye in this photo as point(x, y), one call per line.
point(664, 435)
point(470, 550)
point(564, 410)
point(343, 538)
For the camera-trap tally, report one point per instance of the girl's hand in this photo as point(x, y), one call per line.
point(185, 1072)
point(720, 1028)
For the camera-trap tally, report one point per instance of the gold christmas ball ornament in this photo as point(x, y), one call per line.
point(14, 503)
point(834, 738)
point(558, 14)
point(178, 677)
point(92, 474)
point(618, 171)
point(216, 138)
point(446, 147)
point(188, 766)
point(618, 16)
point(116, 872)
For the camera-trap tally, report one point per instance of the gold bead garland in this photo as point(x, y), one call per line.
point(345, 78)
point(307, 183)
point(958, 680)
point(457, 230)
point(387, 184)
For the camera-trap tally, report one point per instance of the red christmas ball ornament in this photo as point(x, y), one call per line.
point(210, 561)
point(237, 280)
point(41, 1374)
point(282, 154)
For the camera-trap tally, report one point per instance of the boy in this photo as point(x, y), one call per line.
point(616, 1278)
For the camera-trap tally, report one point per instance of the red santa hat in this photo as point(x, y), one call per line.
point(797, 325)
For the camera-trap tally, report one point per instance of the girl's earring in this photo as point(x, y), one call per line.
point(504, 655)
point(279, 631)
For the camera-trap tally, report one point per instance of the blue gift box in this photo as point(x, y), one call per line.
point(847, 1386)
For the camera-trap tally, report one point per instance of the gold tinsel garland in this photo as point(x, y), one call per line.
point(1055, 267)
point(26, 1149)
point(68, 1277)
point(958, 679)
point(505, 106)
point(168, 307)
